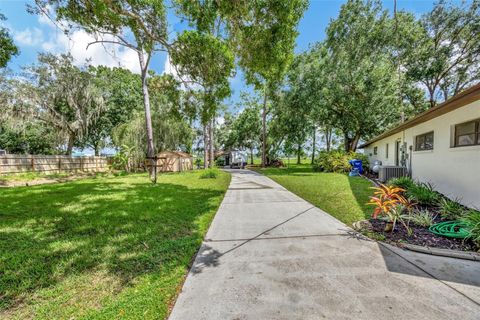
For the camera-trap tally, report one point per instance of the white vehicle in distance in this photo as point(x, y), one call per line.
point(238, 159)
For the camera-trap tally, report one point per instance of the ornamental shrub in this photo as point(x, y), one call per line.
point(472, 217)
point(451, 210)
point(402, 182)
point(337, 161)
point(423, 193)
point(210, 173)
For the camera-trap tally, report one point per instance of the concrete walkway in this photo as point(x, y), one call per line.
point(271, 255)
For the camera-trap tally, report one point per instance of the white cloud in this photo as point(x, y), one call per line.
point(29, 37)
point(110, 55)
point(169, 68)
point(76, 42)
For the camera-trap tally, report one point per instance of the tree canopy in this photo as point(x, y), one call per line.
point(7, 48)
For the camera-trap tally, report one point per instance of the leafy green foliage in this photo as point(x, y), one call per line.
point(402, 182)
point(445, 54)
point(210, 173)
point(145, 19)
point(450, 210)
point(98, 248)
point(65, 96)
point(32, 137)
point(242, 130)
point(122, 93)
point(355, 72)
point(423, 193)
point(291, 118)
point(206, 61)
point(337, 161)
point(172, 132)
point(122, 158)
point(263, 35)
point(115, 22)
point(7, 47)
point(472, 217)
point(422, 217)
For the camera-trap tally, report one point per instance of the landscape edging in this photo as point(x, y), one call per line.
point(466, 255)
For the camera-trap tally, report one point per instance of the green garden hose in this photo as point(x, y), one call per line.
point(451, 229)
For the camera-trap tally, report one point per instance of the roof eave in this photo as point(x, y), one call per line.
point(462, 99)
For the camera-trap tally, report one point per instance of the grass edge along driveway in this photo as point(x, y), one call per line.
point(339, 195)
point(104, 248)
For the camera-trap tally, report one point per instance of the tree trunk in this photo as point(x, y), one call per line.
point(346, 142)
point(264, 130)
point(212, 143)
point(313, 143)
point(251, 155)
point(299, 150)
point(328, 138)
point(97, 149)
point(148, 117)
point(351, 143)
point(71, 141)
point(354, 143)
point(431, 93)
point(205, 147)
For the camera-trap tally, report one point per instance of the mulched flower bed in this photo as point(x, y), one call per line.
point(420, 236)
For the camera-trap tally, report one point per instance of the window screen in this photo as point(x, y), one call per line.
point(467, 134)
point(424, 141)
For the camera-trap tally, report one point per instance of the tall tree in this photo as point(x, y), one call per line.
point(296, 108)
point(20, 130)
point(64, 96)
point(445, 55)
point(122, 93)
point(356, 72)
point(7, 47)
point(243, 131)
point(113, 22)
point(263, 34)
point(170, 124)
point(207, 61)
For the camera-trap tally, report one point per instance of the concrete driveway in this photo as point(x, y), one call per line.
point(271, 255)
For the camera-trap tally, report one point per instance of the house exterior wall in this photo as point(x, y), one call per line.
point(381, 146)
point(453, 171)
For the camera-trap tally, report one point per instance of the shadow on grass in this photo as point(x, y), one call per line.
point(127, 229)
point(304, 170)
point(360, 188)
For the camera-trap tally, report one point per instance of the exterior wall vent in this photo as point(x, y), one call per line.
point(388, 172)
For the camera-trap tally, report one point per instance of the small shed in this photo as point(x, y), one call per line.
point(174, 161)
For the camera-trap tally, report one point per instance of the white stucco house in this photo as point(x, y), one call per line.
point(440, 146)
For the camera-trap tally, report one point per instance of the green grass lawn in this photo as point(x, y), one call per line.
point(104, 248)
point(341, 196)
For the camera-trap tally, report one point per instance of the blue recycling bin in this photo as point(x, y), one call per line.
point(357, 167)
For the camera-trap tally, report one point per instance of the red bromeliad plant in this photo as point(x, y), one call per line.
point(386, 198)
point(390, 202)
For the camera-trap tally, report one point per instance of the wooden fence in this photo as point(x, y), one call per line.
point(15, 163)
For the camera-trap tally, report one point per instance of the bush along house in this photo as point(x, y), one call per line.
point(440, 146)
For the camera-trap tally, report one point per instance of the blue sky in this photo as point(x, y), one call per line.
point(35, 34)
